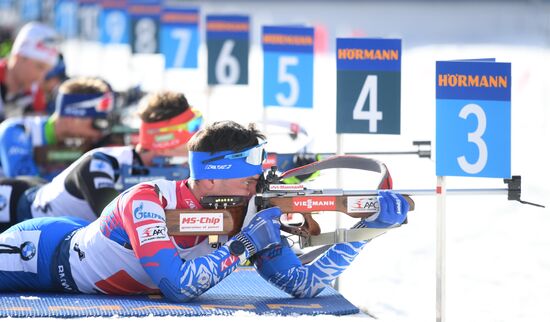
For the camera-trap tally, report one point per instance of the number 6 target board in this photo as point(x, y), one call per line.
point(473, 119)
point(368, 86)
point(288, 66)
point(228, 42)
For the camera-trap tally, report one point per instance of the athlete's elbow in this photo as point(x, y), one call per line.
point(307, 293)
point(175, 294)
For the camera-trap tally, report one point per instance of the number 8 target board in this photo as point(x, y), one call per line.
point(179, 40)
point(368, 86)
point(288, 66)
point(145, 22)
point(473, 119)
point(228, 41)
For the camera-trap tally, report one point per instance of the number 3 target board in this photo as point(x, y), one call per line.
point(473, 119)
point(228, 42)
point(288, 66)
point(368, 86)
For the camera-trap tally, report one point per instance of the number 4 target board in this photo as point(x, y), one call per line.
point(368, 86)
point(473, 119)
point(228, 42)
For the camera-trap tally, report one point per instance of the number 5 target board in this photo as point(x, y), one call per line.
point(368, 86)
point(288, 66)
point(473, 119)
point(228, 42)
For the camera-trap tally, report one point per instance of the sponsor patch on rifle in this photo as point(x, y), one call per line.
point(363, 204)
point(286, 187)
point(313, 203)
point(199, 222)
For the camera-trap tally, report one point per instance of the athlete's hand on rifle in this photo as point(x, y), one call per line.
point(393, 211)
point(262, 232)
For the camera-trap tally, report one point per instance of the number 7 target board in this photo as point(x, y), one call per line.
point(227, 39)
point(288, 66)
point(473, 119)
point(368, 86)
point(179, 37)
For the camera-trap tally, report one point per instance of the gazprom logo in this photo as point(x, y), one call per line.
point(147, 210)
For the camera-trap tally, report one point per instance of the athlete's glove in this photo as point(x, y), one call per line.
point(262, 232)
point(393, 211)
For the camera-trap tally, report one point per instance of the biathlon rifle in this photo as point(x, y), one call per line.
point(224, 215)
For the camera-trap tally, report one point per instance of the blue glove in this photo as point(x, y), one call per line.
point(393, 211)
point(262, 232)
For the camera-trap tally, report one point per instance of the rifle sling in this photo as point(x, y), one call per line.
point(342, 235)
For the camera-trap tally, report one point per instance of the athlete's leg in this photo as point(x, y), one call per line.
point(27, 250)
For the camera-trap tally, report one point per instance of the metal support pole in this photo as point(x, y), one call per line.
point(440, 250)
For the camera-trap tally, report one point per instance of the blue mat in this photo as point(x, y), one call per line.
point(244, 290)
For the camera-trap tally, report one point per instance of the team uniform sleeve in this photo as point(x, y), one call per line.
point(178, 279)
point(281, 267)
point(94, 179)
point(16, 151)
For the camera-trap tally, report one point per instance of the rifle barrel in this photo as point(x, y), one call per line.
point(429, 192)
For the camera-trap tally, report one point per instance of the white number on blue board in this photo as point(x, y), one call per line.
point(370, 90)
point(115, 23)
point(285, 77)
point(228, 63)
point(145, 36)
point(475, 137)
point(183, 38)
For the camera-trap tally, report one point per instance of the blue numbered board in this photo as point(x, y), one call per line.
point(228, 42)
point(66, 18)
point(114, 22)
point(288, 66)
point(179, 37)
point(473, 119)
point(368, 86)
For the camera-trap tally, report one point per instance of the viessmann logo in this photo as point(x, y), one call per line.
point(313, 203)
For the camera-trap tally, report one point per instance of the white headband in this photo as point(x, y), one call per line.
point(36, 41)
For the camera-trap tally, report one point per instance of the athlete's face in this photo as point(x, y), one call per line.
point(235, 187)
point(147, 156)
point(82, 127)
point(28, 71)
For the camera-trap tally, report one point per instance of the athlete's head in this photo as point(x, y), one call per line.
point(82, 108)
point(167, 123)
point(33, 54)
point(225, 158)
